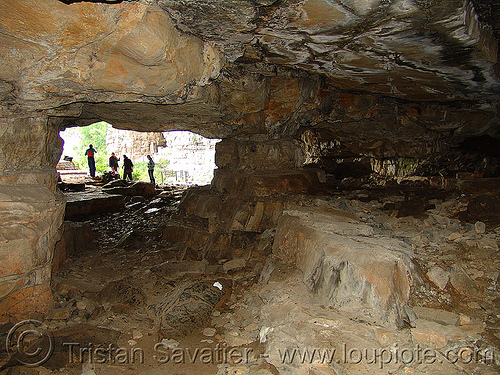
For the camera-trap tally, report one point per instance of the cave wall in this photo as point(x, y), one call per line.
point(286, 85)
point(32, 212)
point(440, 50)
point(134, 145)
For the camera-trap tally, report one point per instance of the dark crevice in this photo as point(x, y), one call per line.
point(488, 11)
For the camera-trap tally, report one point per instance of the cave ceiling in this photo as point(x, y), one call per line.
point(250, 67)
point(401, 48)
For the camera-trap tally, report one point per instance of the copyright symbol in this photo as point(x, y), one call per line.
point(30, 342)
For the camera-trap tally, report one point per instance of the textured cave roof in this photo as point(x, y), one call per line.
point(231, 67)
point(410, 49)
point(414, 49)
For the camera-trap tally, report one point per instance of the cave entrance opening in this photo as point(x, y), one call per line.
point(126, 255)
point(181, 157)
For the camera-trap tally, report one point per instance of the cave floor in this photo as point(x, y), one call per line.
point(105, 295)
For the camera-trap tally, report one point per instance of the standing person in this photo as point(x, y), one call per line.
point(151, 169)
point(127, 168)
point(90, 155)
point(113, 162)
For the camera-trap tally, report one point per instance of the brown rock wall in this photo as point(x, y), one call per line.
point(28, 142)
point(31, 212)
point(133, 144)
point(258, 156)
point(31, 216)
point(89, 49)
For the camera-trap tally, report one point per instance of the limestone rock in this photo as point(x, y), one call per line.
point(31, 214)
point(176, 269)
point(437, 336)
point(133, 144)
point(121, 292)
point(61, 314)
point(462, 283)
point(90, 202)
point(342, 267)
point(454, 236)
point(480, 227)
point(199, 18)
point(289, 82)
point(142, 49)
point(169, 343)
point(258, 156)
point(234, 264)
point(438, 277)
point(209, 332)
point(435, 315)
point(166, 56)
point(296, 33)
point(428, 338)
point(268, 184)
point(234, 339)
point(138, 188)
point(202, 203)
point(86, 304)
point(136, 334)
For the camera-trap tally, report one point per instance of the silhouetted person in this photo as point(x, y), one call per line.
point(113, 162)
point(151, 169)
point(90, 155)
point(127, 168)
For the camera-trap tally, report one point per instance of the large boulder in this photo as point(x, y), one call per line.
point(344, 265)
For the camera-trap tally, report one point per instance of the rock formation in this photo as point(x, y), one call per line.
point(293, 88)
point(133, 144)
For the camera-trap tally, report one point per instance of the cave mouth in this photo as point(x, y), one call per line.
point(181, 157)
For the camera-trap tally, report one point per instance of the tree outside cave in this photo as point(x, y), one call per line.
point(77, 141)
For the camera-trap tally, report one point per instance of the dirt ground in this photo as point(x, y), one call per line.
point(106, 296)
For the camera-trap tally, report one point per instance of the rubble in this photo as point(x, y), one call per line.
point(336, 272)
point(438, 277)
point(185, 307)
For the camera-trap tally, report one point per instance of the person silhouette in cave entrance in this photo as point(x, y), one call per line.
point(90, 156)
point(113, 162)
point(151, 169)
point(127, 168)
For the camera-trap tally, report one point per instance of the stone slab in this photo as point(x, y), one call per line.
point(91, 202)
